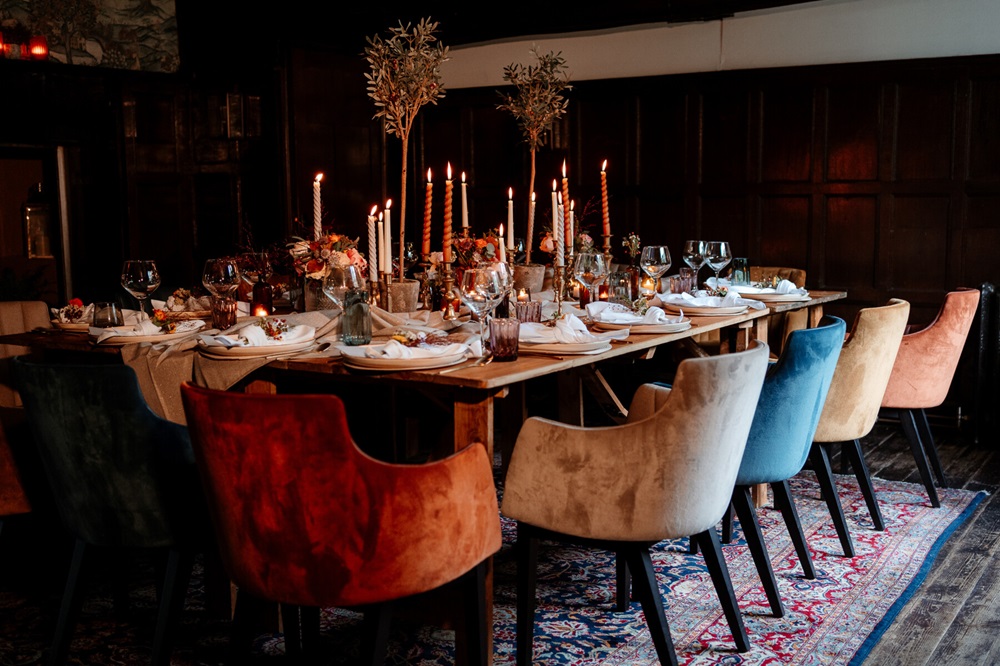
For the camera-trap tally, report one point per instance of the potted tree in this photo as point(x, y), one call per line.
point(537, 102)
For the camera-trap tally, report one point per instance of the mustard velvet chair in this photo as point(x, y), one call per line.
point(667, 473)
point(922, 375)
point(305, 519)
point(853, 403)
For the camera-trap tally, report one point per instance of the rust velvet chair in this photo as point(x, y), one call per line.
point(304, 518)
point(922, 375)
point(853, 403)
point(667, 473)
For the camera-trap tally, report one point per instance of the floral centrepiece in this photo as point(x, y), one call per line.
point(315, 258)
point(471, 251)
point(274, 329)
point(73, 311)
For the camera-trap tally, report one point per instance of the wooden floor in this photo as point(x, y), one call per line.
point(954, 619)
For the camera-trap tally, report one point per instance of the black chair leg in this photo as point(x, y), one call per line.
point(292, 628)
point(931, 448)
point(648, 592)
point(692, 545)
point(69, 608)
point(246, 618)
point(175, 585)
point(375, 633)
point(476, 636)
point(786, 505)
point(712, 550)
point(309, 625)
point(755, 541)
point(824, 475)
point(727, 524)
point(527, 564)
point(908, 419)
point(865, 482)
point(623, 583)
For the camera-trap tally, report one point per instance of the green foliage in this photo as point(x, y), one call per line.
point(405, 73)
point(539, 99)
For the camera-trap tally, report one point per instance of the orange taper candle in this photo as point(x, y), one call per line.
point(425, 245)
point(447, 216)
point(604, 199)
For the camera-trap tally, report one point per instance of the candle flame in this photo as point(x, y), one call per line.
point(380, 217)
point(554, 186)
point(532, 196)
point(374, 209)
point(564, 168)
point(510, 193)
point(501, 231)
point(388, 204)
point(428, 175)
point(604, 167)
point(449, 170)
point(260, 311)
point(319, 176)
point(463, 176)
point(572, 204)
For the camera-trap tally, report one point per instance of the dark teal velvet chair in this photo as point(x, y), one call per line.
point(781, 436)
point(121, 478)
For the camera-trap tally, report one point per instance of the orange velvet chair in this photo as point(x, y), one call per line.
point(304, 518)
point(922, 375)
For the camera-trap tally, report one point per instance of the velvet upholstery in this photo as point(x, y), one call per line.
point(120, 476)
point(17, 317)
point(862, 373)
point(928, 358)
point(304, 517)
point(667, 472)
point(13, 499)
point(797, 276)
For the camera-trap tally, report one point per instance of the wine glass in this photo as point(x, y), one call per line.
point(503, 274)
point(140, 278)
point(221, 278)
point(254, 266)
point(655, 260)
point(342, 279)
point(694, 256)
point(591, 269)
point(717, 256)
point(481, 291)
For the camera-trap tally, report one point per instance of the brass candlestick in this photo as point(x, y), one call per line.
point(383, 291)
point(557, 288)
point(451, 297)
point(426, 297)
point(607, 250)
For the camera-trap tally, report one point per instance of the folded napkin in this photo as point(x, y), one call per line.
point(189, 304)
point(255, 336)
point(615, 313)
point(386, 323)
point(72, 314)
point(567, 330)
point(393, 349)
point(146, 328)
point(783, 287)
point(701, 299)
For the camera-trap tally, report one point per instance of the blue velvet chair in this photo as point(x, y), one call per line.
point(121, 478)
point(781, 438)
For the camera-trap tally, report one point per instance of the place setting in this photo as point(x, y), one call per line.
point(608, 316)
point(567, 335)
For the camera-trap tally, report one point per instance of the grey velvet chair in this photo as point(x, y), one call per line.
point(667, 473)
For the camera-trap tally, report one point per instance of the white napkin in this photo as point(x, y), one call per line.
point(701, 299)
point(254, 336)
point(784, 287)
point(191, 304)
point(393, 349)
point(615, 313)
point(569, 329)
point(59, 314)
point(144, 328)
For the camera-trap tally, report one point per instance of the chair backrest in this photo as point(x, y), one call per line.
point(790, 403)
point(862, 373)
point(304, 517)
point(928, 358)
point(17, 317)
point(794, 275)
point(112, 464)
point(668, 475)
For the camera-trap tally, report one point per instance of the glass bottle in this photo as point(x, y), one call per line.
point(356, 322)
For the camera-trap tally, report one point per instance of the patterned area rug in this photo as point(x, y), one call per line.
point(835, 619)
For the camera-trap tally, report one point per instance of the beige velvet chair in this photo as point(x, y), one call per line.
point(667, 473)
point(781, 325)
point(853, 402)
point(922, 375)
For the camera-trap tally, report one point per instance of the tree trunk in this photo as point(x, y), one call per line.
point(529, 241)
point(402, 209)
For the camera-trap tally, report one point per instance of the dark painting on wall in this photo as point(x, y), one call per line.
point(124, 34)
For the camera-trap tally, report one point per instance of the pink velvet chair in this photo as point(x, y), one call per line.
point(922, 374)
point(304, 518)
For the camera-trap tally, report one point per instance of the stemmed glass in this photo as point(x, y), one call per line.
point(481, 291)
point(342, 279)
point(717, 256)
point(504, 275)
point(694, 256)
point(140, 278)
point(591, 269)
point(655, 260)
point(221, 278)
point(254, 266)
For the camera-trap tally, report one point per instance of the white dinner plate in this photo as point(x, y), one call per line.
point(560, 350)
point(397, 364)
point(705, 311)
point(565, 347)
point(136, 339)
point(677, 327)
point(255, 351)
point(777, 298)
point(66, 326)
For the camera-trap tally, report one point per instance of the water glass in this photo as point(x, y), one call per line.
point(528, 311)
point(688, 277)
point(107, 314)
point(223, 312)
point(504, 333)
point(620, 288)
point(739, 271)
point(356, 323)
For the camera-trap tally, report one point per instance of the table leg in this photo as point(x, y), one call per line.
point(569, 388)
point(815, 314)
point(758, 331)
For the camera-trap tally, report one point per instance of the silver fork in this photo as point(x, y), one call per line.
point(482, 360)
